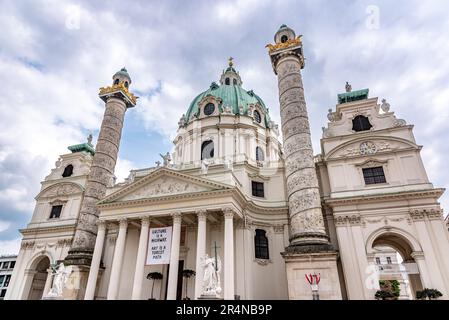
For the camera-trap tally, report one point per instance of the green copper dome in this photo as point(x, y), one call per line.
point(232, 95)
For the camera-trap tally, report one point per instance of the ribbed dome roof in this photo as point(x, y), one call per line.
point(232, 95)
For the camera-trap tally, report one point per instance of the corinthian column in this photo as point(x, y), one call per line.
point(306, 219)
point(118, 99)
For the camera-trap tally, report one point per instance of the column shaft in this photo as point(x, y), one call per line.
point(96, 259)
point(140, 261)
point(48, 283)
point(200, 252)
point(228, 255)
point(174, 258)
point(114, 280)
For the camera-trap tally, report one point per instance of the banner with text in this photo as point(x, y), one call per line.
point(159, 246)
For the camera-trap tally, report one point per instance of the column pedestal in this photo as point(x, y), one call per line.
point(299, 264)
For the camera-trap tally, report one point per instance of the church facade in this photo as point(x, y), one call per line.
point(273, 211)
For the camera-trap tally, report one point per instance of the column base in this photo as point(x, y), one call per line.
point(75, 287)
point(53, 298)
point(79, 257)
point(312, 259)
point(310, 238)
point(209, 297)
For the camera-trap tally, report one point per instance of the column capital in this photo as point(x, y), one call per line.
point(228, 213)
point(101, 224)
point(201, 215)
point(177, 217)
point(417, 255)
point(123, 222)
point(145, 221)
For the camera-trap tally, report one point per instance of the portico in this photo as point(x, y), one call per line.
point(199, 224)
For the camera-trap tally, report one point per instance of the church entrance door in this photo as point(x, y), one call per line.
point(180, 279)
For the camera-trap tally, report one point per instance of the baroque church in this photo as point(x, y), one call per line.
point(276, 214)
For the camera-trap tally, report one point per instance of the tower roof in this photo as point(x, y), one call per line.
point(123, 72)
point(353, 96)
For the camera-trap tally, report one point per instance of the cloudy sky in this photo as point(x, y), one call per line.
point(54, 55)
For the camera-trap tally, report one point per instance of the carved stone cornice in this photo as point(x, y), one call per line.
point(49, 229)
point(421, 214)
point(432, 193)
point(352, 220)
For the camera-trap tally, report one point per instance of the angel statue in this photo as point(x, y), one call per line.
point(61, 274)
point(211, 278)
point(166, 159)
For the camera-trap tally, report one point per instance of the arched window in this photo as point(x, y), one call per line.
point(259, 154)
point(257, 116)
point(126, 84)
point(68, 171)
point(116, 81)
point(227, 82)
point(234, 81)
point(284, 38)
point(207, 150)
point(261, 244)
point(361, 123)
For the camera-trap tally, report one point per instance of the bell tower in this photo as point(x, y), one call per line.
point(310, 250)
point(118, 99)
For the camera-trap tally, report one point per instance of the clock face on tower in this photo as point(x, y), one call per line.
point(368, 148)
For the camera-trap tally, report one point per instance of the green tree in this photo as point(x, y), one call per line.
point(154, 276)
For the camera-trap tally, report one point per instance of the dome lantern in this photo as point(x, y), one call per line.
point(230, 77)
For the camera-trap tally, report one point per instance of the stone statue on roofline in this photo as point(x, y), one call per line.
point(348, 87)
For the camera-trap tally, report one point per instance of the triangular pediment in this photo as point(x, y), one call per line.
point(162, 183)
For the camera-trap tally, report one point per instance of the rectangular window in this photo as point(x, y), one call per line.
point(388, 260)
point(55, 211)
point(378, 260)
point(258, 189)
point(12, 264)
point(374, 175)
point(2, 277)
point(8, 277)
point(5, 265)
point(2, 293)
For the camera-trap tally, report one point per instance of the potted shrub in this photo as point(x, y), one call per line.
point(428, 294)
point(154, 276)
point(187, 274)
point(389, 290)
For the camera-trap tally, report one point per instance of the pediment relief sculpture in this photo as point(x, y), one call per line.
point(163, 186)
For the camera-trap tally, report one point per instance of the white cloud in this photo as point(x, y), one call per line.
point(50, 73)
point(10, 246)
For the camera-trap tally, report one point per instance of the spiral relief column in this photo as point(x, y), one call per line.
point(118, 99)
point(307, 231)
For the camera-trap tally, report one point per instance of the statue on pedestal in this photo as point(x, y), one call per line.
point(61, 274)
point(211, 278)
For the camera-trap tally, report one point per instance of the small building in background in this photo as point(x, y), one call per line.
point(7, 263)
